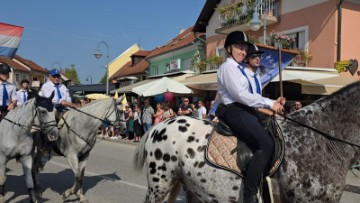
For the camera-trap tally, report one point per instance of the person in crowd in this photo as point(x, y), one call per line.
point(240, 90)
point(159, 114)
point(7, 91)
point(62, 99)
point(138, 131)
point(106, 127)
point(194, 113)
point(129, 122)
point(297, 105)
point(185, 108)
point(168, 112)
point(147, 114)
point(22, 93)
point(201, 110)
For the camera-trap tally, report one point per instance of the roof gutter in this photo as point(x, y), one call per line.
point(338, 52)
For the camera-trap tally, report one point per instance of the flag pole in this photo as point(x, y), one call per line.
point(280, 75)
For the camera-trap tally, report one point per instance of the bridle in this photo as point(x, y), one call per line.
point(46, 127)
point(107, 115)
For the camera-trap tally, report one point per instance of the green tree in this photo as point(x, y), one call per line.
point(71, 73)
point(103, 79)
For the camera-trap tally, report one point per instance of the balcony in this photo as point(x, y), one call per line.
point(205, 67)
point(236, 16)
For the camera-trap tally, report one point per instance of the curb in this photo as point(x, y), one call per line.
point(100, 139)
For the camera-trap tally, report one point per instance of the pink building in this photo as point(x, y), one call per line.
point(312, 24)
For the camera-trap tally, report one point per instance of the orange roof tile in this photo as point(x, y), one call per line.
point(30, 64)
point(15, 65)
point(183, 39)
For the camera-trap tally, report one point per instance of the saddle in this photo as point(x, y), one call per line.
point(226, 151)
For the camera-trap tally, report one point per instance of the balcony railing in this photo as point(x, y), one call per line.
point(236, 16)
point(207, 67)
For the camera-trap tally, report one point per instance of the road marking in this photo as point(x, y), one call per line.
point(104, 177)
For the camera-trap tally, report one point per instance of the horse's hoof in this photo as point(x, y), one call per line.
point(65, 195)
point(84, 200)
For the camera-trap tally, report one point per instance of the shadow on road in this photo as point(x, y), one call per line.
point(57, 182)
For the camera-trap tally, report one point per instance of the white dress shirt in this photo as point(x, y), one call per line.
point(233, 86)
point(20, 97)
point(49, 87)
point(11, 90)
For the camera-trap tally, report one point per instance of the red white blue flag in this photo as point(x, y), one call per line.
point(10, 36)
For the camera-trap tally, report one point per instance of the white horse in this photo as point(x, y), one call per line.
point(78, 137)
point(313, 170)
point(16, 140)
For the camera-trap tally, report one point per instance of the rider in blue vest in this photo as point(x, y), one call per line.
point(7, 91)
point(240, 90)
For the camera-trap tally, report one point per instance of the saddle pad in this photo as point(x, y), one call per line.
point(221, 151)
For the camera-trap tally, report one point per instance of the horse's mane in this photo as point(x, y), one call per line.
point(18, 111)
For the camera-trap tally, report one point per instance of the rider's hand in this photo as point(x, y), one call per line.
point(11, 106)
point(278, 108)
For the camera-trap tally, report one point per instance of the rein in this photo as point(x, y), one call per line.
point(320, 132)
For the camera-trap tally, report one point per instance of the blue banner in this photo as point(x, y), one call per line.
point(270, 63)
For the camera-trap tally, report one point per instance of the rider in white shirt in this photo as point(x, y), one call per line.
point(7, 91)
point(22, 93)
point(62, 98)
point(240, 90)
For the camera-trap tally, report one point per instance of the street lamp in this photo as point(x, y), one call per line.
point(98, 55)
point(56, 62)
point(87, 79)
point(255, 22)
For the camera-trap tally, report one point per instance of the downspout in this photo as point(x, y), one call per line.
point(338, 54)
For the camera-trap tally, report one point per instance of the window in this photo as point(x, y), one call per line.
point(301, 37)
point(220, 51)
point(156, 70)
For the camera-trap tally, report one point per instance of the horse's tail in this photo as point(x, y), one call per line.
point(139, 157)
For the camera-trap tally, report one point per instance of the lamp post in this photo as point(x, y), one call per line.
point(255, 22)
point(98, 55)
point(87, 79)
point(56, 62)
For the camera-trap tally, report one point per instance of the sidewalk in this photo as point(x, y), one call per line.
point(116, 140)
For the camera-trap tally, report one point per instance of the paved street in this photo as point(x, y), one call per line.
point(109, 178)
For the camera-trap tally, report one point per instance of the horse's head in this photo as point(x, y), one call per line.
point(45, 115)
point(120, 115)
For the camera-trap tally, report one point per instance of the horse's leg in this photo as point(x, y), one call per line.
point(37, 167)
point(191, 198)
point(27, 163)
point(74, 165)
point(79, 179)
point(2, 178)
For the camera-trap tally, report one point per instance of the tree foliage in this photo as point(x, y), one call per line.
point(103, 79)
point(71, 73)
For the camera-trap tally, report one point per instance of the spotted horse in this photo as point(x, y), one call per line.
point(313, 170)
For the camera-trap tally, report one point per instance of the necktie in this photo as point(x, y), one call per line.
point(58, 91)
point(258, 90)
point(24, 96)
point(5, 95)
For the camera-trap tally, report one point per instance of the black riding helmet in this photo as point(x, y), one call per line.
point(236, 37)
point(5, 68)
point(253, 49)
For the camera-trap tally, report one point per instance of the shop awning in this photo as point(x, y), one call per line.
point(317, 81)
point(325, 86)
point(304, 75)
point(129, 88)
point(205, 81)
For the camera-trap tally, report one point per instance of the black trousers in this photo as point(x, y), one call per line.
point(3, 111)
point(244, 122)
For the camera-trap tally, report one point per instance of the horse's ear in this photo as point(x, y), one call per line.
point(52, 95)
point(118, 100)
point(32, 93)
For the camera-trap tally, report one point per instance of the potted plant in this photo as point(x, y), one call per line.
point(303, 58)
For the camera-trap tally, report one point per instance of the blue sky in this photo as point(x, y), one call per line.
point(68, 31)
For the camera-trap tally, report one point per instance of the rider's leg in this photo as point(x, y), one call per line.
point(244, 122)
point(2, 178)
